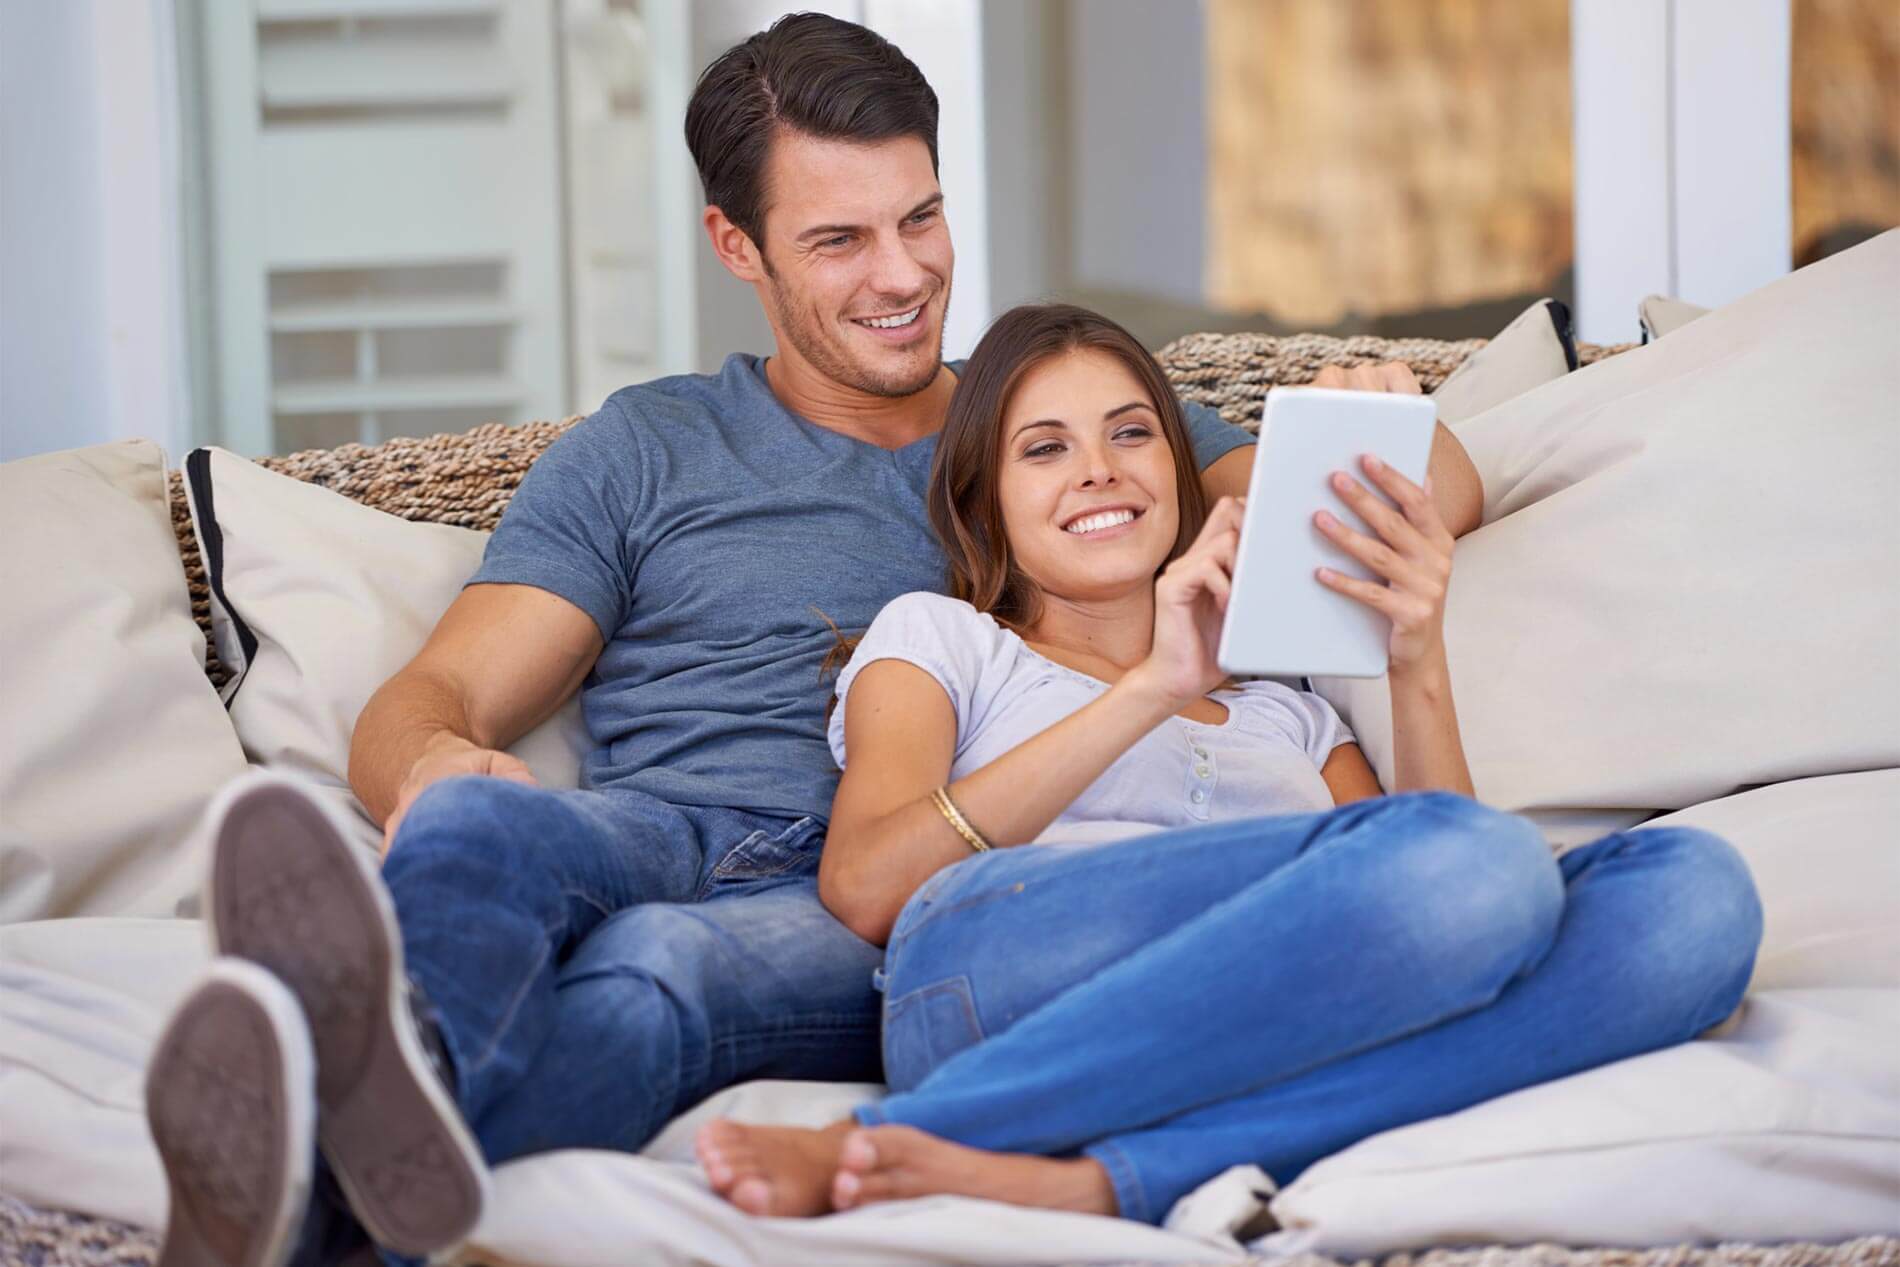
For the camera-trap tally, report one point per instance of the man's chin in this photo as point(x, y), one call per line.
point(902, 371)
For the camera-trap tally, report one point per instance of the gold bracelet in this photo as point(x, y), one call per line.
point(948, 808)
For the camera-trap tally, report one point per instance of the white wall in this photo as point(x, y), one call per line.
point(91, 329)
point(1680, 119)
point(1138, 135)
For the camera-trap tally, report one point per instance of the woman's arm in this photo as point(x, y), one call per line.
point(886, 835)
point(1413, 554)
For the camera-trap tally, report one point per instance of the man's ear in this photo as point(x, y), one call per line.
point(733, 246)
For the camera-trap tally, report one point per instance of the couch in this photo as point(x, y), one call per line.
point(1680, 608)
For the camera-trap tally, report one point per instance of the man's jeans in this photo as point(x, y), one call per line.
point(1270, 991)
point(600, 961)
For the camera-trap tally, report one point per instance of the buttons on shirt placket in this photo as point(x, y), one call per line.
point(1202, 776)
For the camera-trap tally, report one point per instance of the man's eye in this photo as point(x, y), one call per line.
point(923, 216)
point(833, 243)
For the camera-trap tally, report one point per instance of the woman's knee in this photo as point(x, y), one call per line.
point(1703, 924)
point(1473, 889)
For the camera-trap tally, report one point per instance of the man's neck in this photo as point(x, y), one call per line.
point(890, 422)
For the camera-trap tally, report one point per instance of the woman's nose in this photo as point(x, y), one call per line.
point(1098, 469)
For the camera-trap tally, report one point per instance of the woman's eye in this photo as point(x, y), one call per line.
point(1043, 450)
point(1133, 433)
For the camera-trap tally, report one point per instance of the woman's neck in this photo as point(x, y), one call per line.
point(1119, 630)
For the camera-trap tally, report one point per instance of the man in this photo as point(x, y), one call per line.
point(540, 969)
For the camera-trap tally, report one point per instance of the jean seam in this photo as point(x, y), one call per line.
point(506, 1021)
point(1130, 1196)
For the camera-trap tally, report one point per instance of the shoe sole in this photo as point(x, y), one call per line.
point(289, 890)
point(229, 1097)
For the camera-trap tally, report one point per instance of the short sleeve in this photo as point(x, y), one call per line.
point(1303, 718)
point(566, 529)
point(947, 638)
point(1212, 438)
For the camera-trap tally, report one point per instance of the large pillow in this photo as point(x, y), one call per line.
point(1535, 348)
point(1686, 581)
point(111, 738)
point(316, 601)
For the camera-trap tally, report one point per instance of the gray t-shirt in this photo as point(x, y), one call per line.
point(705, 527)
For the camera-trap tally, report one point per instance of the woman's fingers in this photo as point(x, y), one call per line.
point(1393, 528)
point(1375, 554)
point(1378, 597)
point(1414, 501)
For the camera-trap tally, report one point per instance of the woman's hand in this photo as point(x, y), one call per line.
point(1190, 602)
point(1412, 552)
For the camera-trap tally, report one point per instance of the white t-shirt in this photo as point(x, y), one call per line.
point(1264, 759)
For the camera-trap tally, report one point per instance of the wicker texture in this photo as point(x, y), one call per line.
point(466, 479)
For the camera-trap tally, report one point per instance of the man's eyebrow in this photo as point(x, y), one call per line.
point(832, 230)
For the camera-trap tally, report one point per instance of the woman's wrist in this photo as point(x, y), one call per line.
point(1141, 690)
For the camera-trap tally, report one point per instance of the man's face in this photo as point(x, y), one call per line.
point(857, 258)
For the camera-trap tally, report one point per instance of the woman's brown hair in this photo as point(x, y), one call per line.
point(962, 497)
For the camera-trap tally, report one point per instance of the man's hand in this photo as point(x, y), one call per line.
point(1387, 376)
point(445, 759)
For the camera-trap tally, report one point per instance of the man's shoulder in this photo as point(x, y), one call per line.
point(736, 391)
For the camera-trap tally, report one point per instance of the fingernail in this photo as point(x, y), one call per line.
point(1373, 463)
point(1342, 480)
point(1325, 574)
point(1323, 519)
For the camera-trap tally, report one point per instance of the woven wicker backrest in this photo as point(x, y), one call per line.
point(466, 479)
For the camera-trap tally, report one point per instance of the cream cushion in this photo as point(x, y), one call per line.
point(1534, 349)
point(1659, 315)
point(111, 739)
point(1686, 579)
point(338, 597)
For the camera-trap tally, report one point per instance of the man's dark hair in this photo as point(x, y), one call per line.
point(811, 73)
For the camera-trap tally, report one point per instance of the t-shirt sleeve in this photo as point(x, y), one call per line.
point(1322, 728)
point(1212, 438)
point(566, 529)
point(946, 638)
point(1304, 718)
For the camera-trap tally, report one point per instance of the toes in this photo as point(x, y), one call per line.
point(845, 1186)
point(753, 1195)
point(722, 1151)
point(858, 1152)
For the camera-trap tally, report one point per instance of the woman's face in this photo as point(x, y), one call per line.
point(1087, 483)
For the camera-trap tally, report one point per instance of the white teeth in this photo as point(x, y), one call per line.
point(892, 323)
point(1095, 523)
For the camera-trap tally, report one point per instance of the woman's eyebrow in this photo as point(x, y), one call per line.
point(1119, 410)
point(1043, 422)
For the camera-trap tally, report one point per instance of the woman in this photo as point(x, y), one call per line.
point(1238, 948)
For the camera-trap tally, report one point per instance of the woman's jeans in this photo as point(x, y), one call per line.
point(1270, 991)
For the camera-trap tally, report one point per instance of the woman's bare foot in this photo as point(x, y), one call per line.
point(778, 1170)
point(889, 1163)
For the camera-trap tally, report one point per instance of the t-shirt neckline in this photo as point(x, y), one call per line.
point(757, 373)
point(1092, 680)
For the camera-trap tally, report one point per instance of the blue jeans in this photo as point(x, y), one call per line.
point(600, 961)
point(1273, 990)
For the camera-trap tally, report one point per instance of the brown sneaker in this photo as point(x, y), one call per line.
point(290, 891)
point(229, 1099)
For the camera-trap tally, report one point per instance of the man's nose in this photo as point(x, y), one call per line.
point(897, 272)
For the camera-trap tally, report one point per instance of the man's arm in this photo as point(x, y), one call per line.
point(501, 660)
point(1456, 487)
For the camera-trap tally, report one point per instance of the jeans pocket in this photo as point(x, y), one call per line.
point(764, 854)
point(926, 1027)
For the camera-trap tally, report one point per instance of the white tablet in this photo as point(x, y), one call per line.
point(1281, 621)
